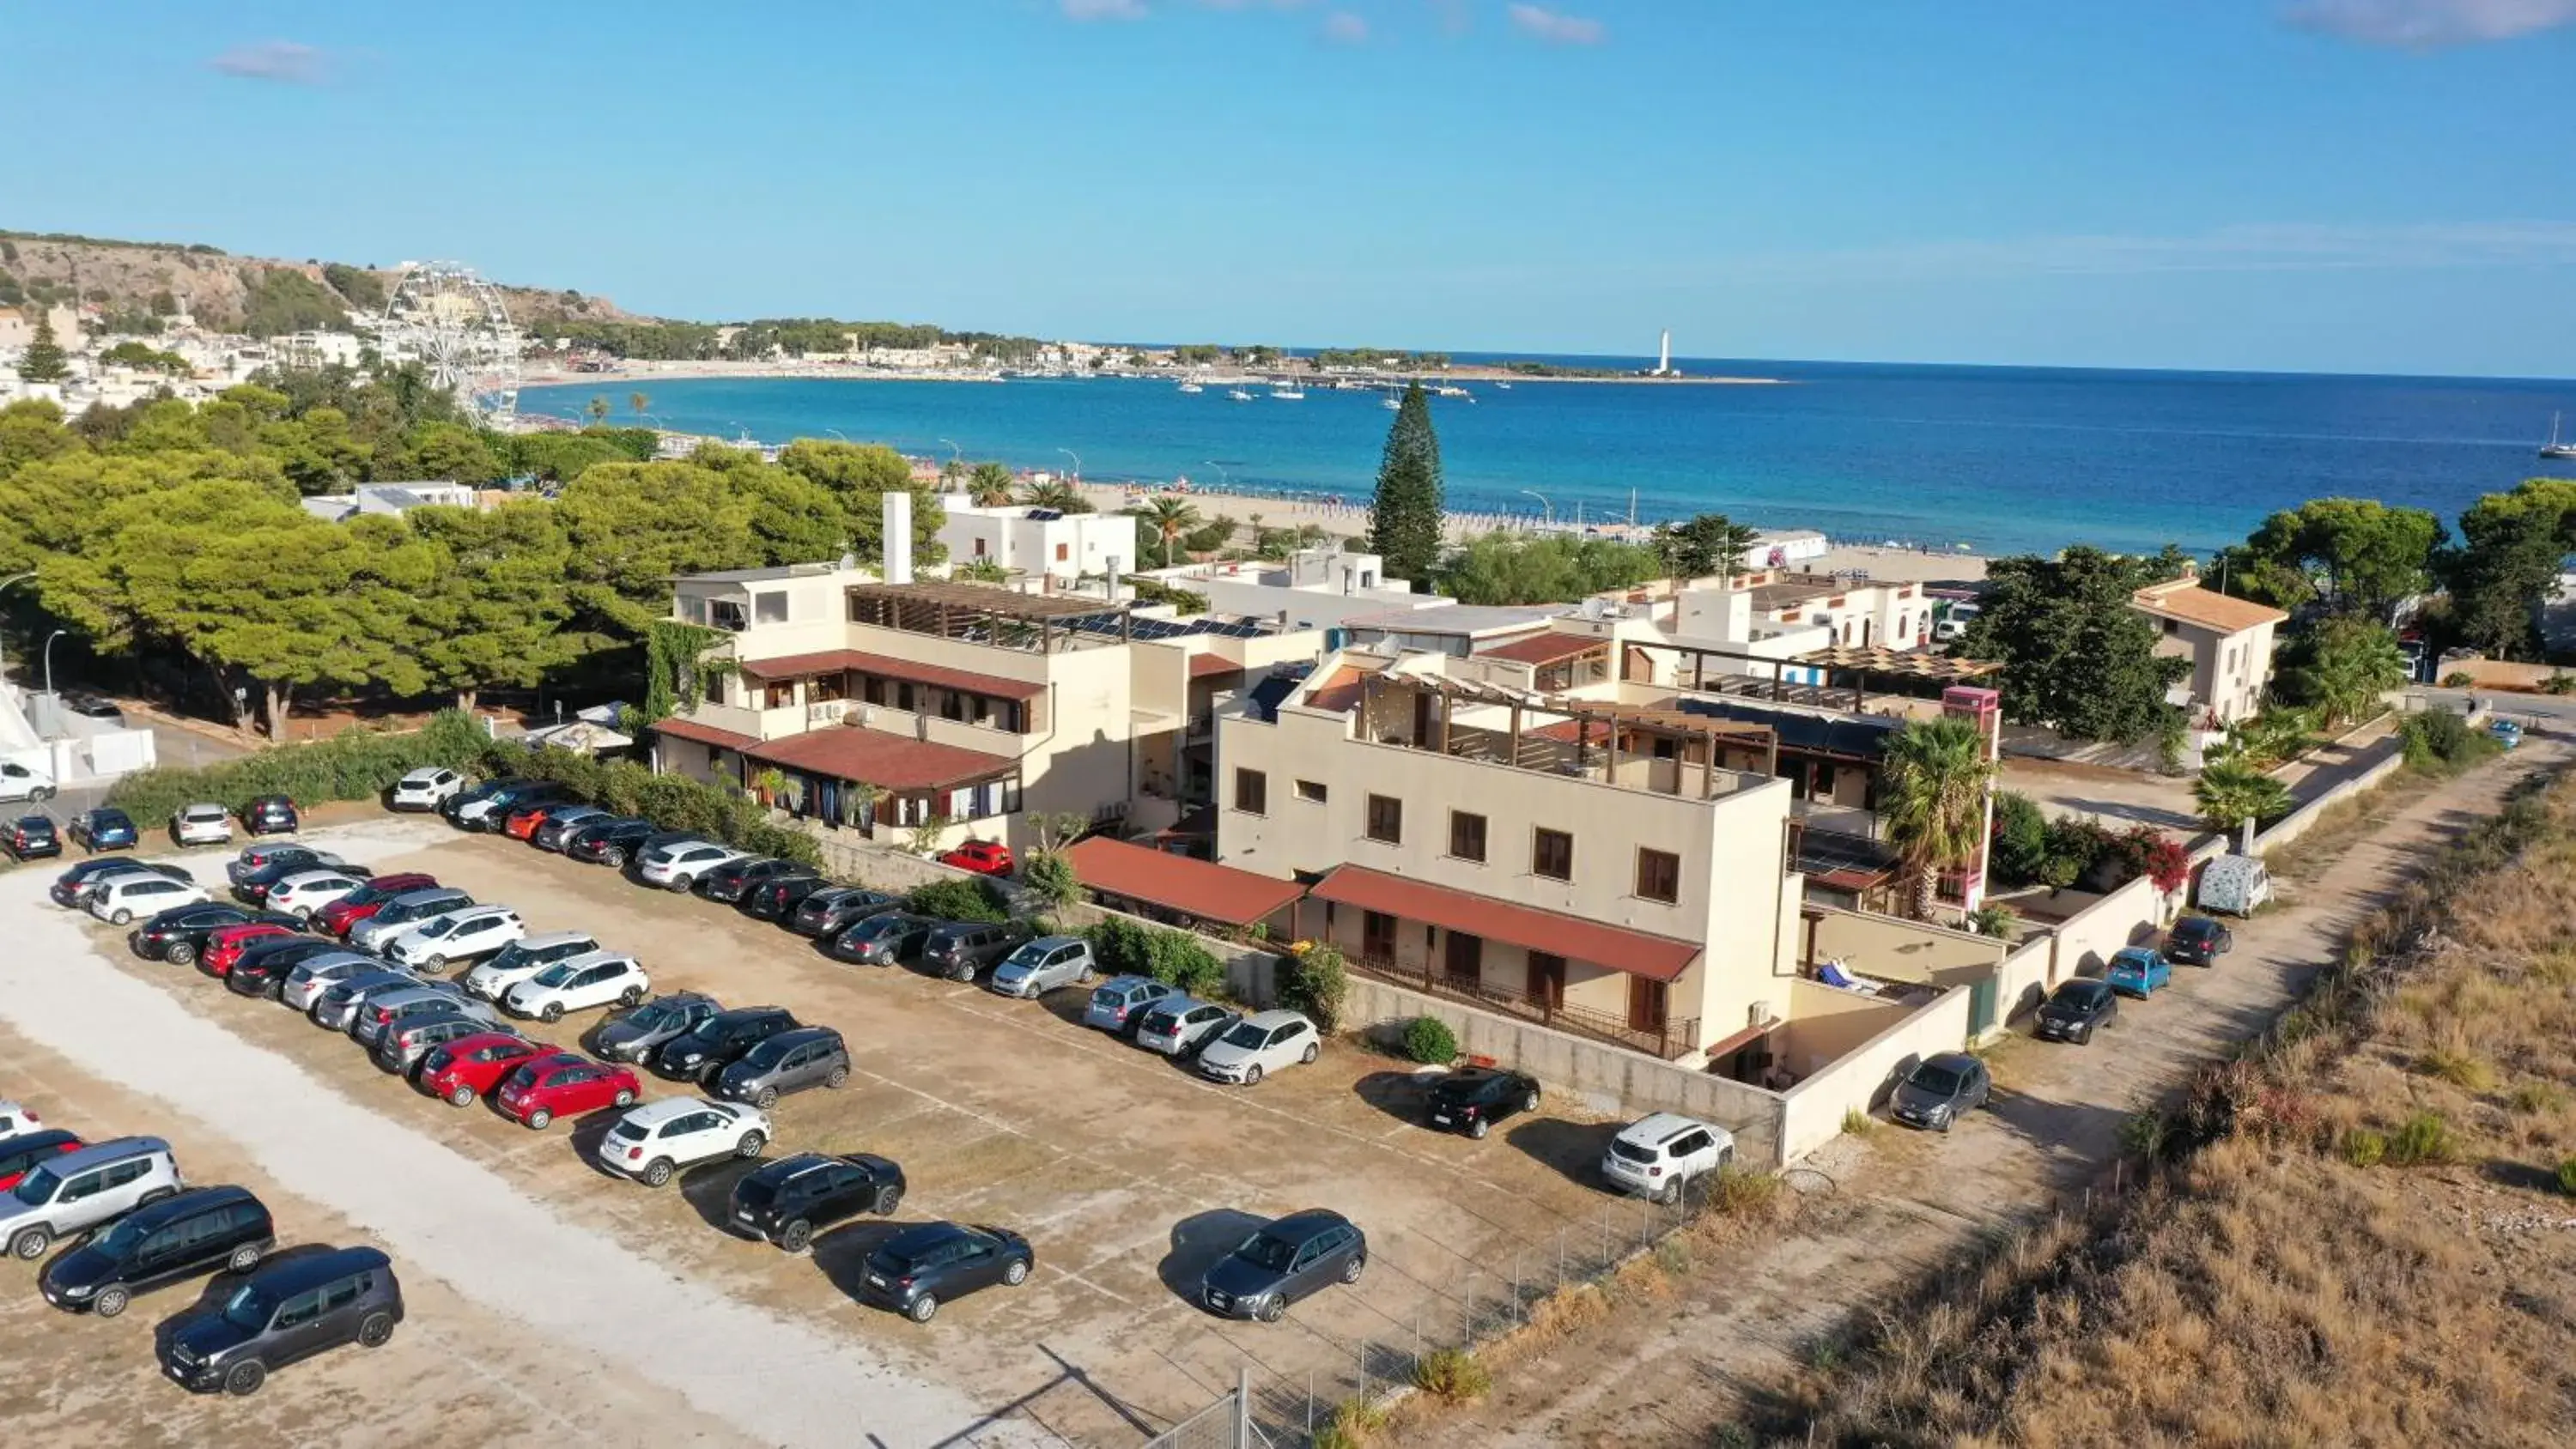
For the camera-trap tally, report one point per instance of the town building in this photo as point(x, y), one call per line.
point(1037, 543)
point(391, 499)
point(2228, 641)
point(1316, 588)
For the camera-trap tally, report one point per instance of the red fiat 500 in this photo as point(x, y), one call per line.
point(563, 1084)
point(470, 1066)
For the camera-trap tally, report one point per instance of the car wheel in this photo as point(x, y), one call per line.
point(552, 1013)
point(1083, 979)
point(2084, 1037)
point(1252, 1076)
point(840, 1078)
point(613, 859)
point(540, 1119)
point(796, 1236)
point(433, 964)
point(1311, 1052)
point(624, 1098)
point(633, 997)
point(31, 1244)
point(461, 1096)
point(243, 1379)
point(924, 1308)
point(657, 1172)
point(681, 883)
point(1671, 1194)
point(109, 1302)
point(889, 1198)
point(376, 1330)
point(181, 954)
point(765, 1098)
point(1478, 1128)
point(42, 794)
point(1352, 1270)
point(1017, 1272)
point(961, 973)
point(120, 917)
point(1273, 1309)
point(751, 1143)
point(244, 1258)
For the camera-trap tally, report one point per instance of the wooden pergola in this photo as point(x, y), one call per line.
point(1617, 721)
point(986, 614)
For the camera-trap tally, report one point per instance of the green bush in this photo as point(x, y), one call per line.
point(1429, 1039)
point(1131, 948)
point(2459, 679)
point(2443, 743)
point(674, 802)
point(2021, 838)
point(960, 900)
point(1315, 982)
point(2567, 1176)
point(2422, 1139)
point(2364, 1148)
point(356, 765)
point(1452, 1374)
point(1050, 877)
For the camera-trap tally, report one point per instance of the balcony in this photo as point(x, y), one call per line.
point(1676, 1038)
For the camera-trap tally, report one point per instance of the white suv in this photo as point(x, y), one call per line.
point(655, 1140)
point(308, 891)
point(524, 958)
point(426, 788)
point(124, 897)
point(80, 1189)
point(1660, 1154)
point(469, 933)
point(602, 978)
point(679, 864)
point(1259, 1044)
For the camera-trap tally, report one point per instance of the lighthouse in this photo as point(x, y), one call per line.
point(1664, 356)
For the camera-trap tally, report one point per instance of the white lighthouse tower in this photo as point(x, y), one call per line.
point(1664, 357)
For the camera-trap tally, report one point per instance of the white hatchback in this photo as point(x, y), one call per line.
point(124, 897)
point(308, 891)
point(468, 933)
point(653, 1141)
point(1258, 1045)
point(201, 825)
point(602, 978)
point(426, 788)
point(679, 864)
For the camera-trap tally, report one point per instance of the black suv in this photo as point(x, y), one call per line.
point(783, 1202)
point(612, 843)
point(719, 1042)
point(271, 815)
point(31, 837)
point(1473, 1099)
point(178, 935)
point(2198, 940)
point(203, 1230)
point(777, 898)
point(964, 950)
point(285, 1312)
point(2077, 1009)
point(728, 881)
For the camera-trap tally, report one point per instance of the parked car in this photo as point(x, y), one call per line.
point(1662, 1153)
point(523, 958)
point(120, 898)
point(920, 1268)
point(264, 968)
point(201, 825)
point(2198, 940)
point(522, 822)
point(337, 1006)
point(1294, 1258)
point(306, 892)
point(404, 912)
point(468, 933)
point(306, 981)
point(1940, 1090)
point(23, 1152)
point(777, 898)
point(676, 865)
point(426, 788)
point(1178, 1026)
point(1262, 1043)
point(103, 829)
point(90, 704)
point(1473, 1099)
point(381, 1011)
point(31, 837)
point(16, 1118)
point(2235, 884)
point(255, 871)
point(470, 1067)
point(963, 950)
point(834, 909)
point(409, 1041)
point(2075, 1010)
point(611, 842)
point(719, 1041)
point(270, 815)
point(561, 823)
point(791, 1061)
point(881, 940)
point(23, 782)
point(983, 857)
point(179, 933)
point(635, 1036)
point(225, 944)
point(75, 886)
point(578, 983)
point(1042, 965)
point(487, 808)
point(74, 1191)
point(2137, 971)
point(289, 1310)
point(202, 1231)
point(2507, 733)
point(653, 1141)
point(343, 915)
point(536, 1092)
point(1118, 1004)
point(783, 1202)
point(728, 881)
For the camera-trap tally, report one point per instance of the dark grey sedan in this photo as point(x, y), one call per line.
point(1940, 1090)
point(1294, 1258)
point(637, 1035)
point(809, 1056)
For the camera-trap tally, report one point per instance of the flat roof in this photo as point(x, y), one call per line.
point(985, 599)
point(828, 661)
point(1901, 663)
point(759, 576)
point(892, 762)
point(1210, 892)
point(1456, 619)
point(1633, 953)
point(1553, 646)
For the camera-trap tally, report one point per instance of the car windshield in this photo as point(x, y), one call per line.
point(2082, 993)
point(1621, 1147)
point(1245, 1034)
point(119, 1242)
point(1160, 1021)
point(656, 1017)
point(2132, 960)
point(436, 929)
point(880, 927)
point(630, 1131)
point(1940, 1081)
point(38, 1187)
point(1262, 1250)
point(2196, 929)
point(523, 1077)
point(555, 975)
point(752, 1192)
point(249, 1308)
point(1031, 954)
point(766, 1054)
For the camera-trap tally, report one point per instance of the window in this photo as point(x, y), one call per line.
point(769, 608)
point(2172, 628)
point(1386, 819)
point(1659, 876)
point(780, 696)
point(725, 614)
point(1063, 552)
point(1552, 854)
point(1251, 792)
point(1467, 836)
point(1311, 790)
point(979, 548)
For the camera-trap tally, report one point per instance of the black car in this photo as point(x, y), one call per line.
point(1940, 1090)
point(832, 911)
point(1473, 1099)
point(2074, 1010)
point(254, 885)
point(920, 1268)
point(963, 950)
point(2198, 940)
point(203, 1230)
point(783, 1202)
point(270, 815)
point(1294, 1257)
point(105, 828)
point(89, 704)
point(636, 1035)
point(31, 837)
point(263, 965)
point(178, 935)
point(485, 791)
point(718, 1042)
point(73, 884)
point(777, 898)
point(610, 842)
point(882, 940)
point(287, 1311)
point(257, 858)
point(728, 881)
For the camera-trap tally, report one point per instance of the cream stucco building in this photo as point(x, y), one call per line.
point(2228, 641)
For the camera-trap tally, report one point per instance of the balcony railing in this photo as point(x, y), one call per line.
point(1678, 1037)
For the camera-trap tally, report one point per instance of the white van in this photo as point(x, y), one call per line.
point(123, 897)
point(2235, 884)
point(25, 782)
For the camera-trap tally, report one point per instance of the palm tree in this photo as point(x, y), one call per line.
point(2231, 792)
point(989, 485)
point(597, 407)
point(1932, 791)
point(1055, 493)
point(1169, 517)
point(638, 404)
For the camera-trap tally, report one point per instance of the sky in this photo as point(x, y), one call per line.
point(2309, 185)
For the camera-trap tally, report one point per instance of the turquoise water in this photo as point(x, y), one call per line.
point(2000, 459)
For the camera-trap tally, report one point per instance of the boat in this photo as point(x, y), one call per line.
point(1390, 402)
point(1288, 392)
point(1505, 386)
point(1192, 387)
point(1238, 394)
point(2554, 448)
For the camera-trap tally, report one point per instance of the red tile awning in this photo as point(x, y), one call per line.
point(1205, 666)
point(1548, 646)
point(681, 729)
point(891, 762)
point(1633, 953)
point(1177, 883)
point(835, 661)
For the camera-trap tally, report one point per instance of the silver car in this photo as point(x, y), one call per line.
point(380, 1011)
point(1041, 966)
point(69, 1192)
point(337, 1006)
point(1179, 1025)
point(1118, 1005)
point(410, 1038)
point(404, 912)
point(201, 825)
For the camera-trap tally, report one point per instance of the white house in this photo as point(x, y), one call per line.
point(1038, 542)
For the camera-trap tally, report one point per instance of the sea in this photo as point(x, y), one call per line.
point(1993, 460)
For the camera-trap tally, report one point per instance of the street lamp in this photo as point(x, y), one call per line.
point(1225, 480)
point(956, 454)
point(49, 662)
point(1542, 503)
point(1077, 464)
point(836, 432)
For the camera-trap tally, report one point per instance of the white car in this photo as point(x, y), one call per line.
point(1258, 1045)
point(201, 825)
point(426, 788)
point(602, 978)
point(523, 958)
point(124, 897)
point(16, 1120)
point(655, 1140)
point(468, 933)
point(306, 983)
point(679, 864)
point(1659, 1154)
point(24, 782)
point(308, 891)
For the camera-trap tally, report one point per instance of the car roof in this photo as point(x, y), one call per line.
point(1181, 1001)
point(427, 772)
point(744, 1013)
point(495, 1036)
point(1127, 982)
point(912, 1242)
point(115, 1149)
point(655, 1113)
point(202, 810)
point(1658, 1128)
point(426, 893)
point(799, 1035)
point(1955, 1061)
point(1051, 942)
point(188, 1203)
point(289, 1276)
point(318, 873)
point(1273, 1020)
point(2133, 953)
point(2197, 923)
point(1305, 1224)
point(553, 938)
point(596, 958)
point(423, 992)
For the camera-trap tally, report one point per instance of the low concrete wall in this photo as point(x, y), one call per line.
point(2037, 742)
point(1827, 1023)
point(1811, 1113)
point(2025, 978)
point(2298, 822)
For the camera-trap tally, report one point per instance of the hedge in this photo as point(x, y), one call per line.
point(960, 900)
point(357, 765)
point(1175, 958)
point(674, 802)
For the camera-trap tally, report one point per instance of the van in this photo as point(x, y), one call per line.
point(80, 1190)
point(287, 1311)
point(201, 1231)
point(961, 950)
point(2235, 884)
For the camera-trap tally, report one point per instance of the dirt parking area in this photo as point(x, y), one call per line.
point(1127, 1172)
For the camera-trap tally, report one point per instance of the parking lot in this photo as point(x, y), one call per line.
point(1126, 1172)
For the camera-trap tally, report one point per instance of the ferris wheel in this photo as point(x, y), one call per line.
point(452, 322)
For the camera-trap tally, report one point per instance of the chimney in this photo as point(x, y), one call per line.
point(1112, 569)
point(898, 536)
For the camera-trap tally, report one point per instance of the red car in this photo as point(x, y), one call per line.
point(21, 1155)
point(521, 824)
point(343, 915)
point(224, 944)
point(470, 1066)
point(984, 857)
point(553, 1086)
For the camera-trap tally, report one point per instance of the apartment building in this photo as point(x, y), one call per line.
point(1317, 588)
point(1038, 543)
point(1780, 614)
point(2228, 641)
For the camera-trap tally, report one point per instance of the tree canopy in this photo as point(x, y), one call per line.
point(1406, 517)
point(1707, 545)
point(2512, 546)
point(2078, 658)
point(1520, 568)
point(2351, 555)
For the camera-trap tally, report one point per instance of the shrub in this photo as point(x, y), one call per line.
point(1858, 1123)
point(2459, 1068)
point(2443, 743)
point(1131, 948)
point(1352, 1426)
point(2567, 1176)
point(960, 900)
point(2364, 1148)
point(2078, 852)
point(1453, 1374)
point(354, 765)
point(1315, 981)
point(2423, 1139)
point(1429, 1039)
point(2539, 1097)
point(2020, 839)
point(2459, 679)
point(2145, 850)
point(1741, 1191)
point(1050, 877)
point(1993, 920)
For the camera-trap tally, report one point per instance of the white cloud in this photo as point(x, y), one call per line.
point(1343, 28)
point(1554, 28)
point(2424, 23)
point(1102, 9)
point(284, 61)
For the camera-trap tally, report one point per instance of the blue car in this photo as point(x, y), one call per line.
point(104, 829)
point(2137, 971)
point(2506, 732)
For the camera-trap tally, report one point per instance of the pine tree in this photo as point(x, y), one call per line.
point(1405, 517)
point(43, 361)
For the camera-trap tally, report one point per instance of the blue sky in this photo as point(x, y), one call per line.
point(2346, 185)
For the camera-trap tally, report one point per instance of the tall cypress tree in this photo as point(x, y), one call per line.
point(1405, 516)
point(43, 360)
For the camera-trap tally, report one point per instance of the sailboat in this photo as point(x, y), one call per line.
point(1286, 390)
point(1192, 387)
point(1391, 402)
point(1238, 394)
point(2554, 448)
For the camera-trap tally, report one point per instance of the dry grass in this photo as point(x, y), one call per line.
point(2357, 1240)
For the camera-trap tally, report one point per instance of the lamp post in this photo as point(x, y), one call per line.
point(49, 662)
point(1225, 480)
point(836, 432)
point(1542, 503)
point(1077, 464)
point(956, 454)
point(4, 583)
